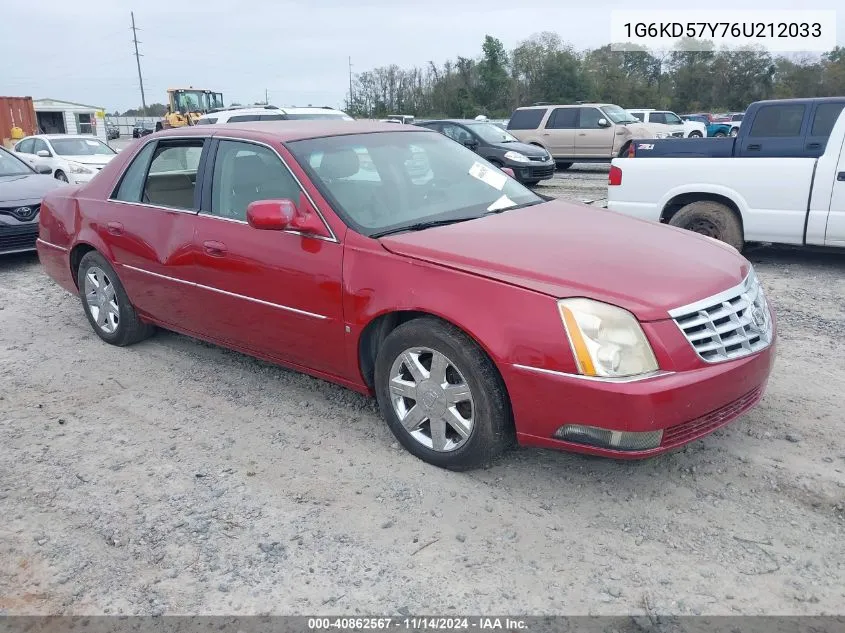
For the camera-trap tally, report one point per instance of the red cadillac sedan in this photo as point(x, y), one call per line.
point(398, 263)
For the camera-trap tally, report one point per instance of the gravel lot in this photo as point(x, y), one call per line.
point(178, 477)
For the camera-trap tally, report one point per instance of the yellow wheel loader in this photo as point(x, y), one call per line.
point(186, 105)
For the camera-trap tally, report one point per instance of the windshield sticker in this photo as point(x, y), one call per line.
point(93, 143)
point(502, 203)
point(492, 177)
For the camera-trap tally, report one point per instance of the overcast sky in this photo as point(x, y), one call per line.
point(298, 51)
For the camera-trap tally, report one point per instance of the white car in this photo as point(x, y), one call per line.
point(669, 123)
point(272, 113)
point(74, 159)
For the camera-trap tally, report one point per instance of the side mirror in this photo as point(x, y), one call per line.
point(471, 143)
point(603, 122)
point(285, 215)
point(43, 153)
point(509, 172)
point(44, 169)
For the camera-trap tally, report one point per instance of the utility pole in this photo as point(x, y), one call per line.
point(138, 62)
point(266, 97)
point(349, 105)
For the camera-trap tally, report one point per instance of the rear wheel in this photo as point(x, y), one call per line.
point(720, 135)
point(734, 132)
point(106, 303)
point(441, 395)
point(562, 166)
point(712, 219)
point(530, 183)
point(60, 175)
point(695, 134)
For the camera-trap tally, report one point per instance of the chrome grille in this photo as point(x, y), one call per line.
point(730, 325)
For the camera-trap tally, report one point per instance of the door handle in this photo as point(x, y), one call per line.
point(214, 248)
point(115, 228)
point(754, 147)
point(547, 134)
point(813, 145)
point(840, 176)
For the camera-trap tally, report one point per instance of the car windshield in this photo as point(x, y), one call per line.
point(672, 118)
point(323, 116)
point(492, 133)
point(80, 147)
point(391, 181)
point(12, 166)
point(618, 115)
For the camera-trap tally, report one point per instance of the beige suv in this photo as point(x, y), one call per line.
point(582, 133)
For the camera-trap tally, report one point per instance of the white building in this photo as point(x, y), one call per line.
point(66, 117)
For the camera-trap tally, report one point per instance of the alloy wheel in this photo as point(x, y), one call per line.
point(102, 300)
point(432, 399)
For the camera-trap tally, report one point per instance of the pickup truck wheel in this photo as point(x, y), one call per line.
point(720, 135)
point(695, 135)
point(563, 166)
point(712, 219)
point(442, 396)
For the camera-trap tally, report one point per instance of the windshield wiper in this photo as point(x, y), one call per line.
point(419, 226)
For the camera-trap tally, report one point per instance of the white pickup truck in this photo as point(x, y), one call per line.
point(737, 200)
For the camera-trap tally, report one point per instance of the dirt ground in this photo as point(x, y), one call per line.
point(178, 477)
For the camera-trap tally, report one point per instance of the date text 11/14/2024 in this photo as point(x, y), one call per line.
point(416, 624)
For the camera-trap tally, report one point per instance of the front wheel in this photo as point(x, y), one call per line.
point(734, 132)
point(712, 219)
point(441, 395)
point(60, 175)
point(720, 135)
point(695, 135)
point(530, 183)
point(562, 166)
point(106, 303)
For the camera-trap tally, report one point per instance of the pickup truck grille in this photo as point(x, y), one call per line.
point(730, 325)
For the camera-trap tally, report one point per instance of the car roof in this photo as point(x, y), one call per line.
point(89, 137)
point(565, 105)
point(294, 130)
point(463, 121)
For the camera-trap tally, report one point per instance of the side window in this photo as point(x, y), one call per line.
point(672, 118)
point(38, 145)
point(272, 117)
point(172, 178)
point(526, 119)
point(25, 147)
point(206, 121)
point(825, 118)
point(657, 117)
point(563, 119)
point(639, 116)
point(778, 121)
point(456, 133)
point(132, 182)
point(245, 172)
point(241, 118)
point(589, 119)
point(84, 123)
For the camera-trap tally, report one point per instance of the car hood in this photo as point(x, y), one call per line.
point(522, 148)
point(564, 249)
point(97, 160)
point(26, 187)
point(640, 130)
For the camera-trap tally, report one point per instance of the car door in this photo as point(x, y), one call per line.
point(276, 293)
point(457, 133)
point(593, 140)
point(777, 130)
point(148, 224)
point(52, 161)
point(835, 231)
point(674, 123)
point(559, 132)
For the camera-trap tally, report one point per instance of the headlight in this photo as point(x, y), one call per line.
point(76, 168)
point(517, 157)
point(606, 341)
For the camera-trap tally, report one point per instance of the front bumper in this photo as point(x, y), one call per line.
point(535, 170)
point(685, 405)
point(18, 238)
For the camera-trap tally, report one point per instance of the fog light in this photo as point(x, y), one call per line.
point(605, 438)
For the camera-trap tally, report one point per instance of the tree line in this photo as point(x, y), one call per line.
point(545, 68)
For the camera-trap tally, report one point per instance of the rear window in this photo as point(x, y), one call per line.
point(778, 121)
point(825, 118)
point(639, 116)
point(243, 118)
point(526, 119)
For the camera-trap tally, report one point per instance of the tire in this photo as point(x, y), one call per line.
point(562, 166)
point(734, 132)
point(126, 328)
point(713, 219)
point(60, 175)
point(720, 135)
point(695, 135)
point(488, 430)
point(530, 183)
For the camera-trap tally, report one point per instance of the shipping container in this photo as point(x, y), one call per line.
point(16, 111)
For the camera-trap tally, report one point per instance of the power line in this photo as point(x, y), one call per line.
point(138, 62)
